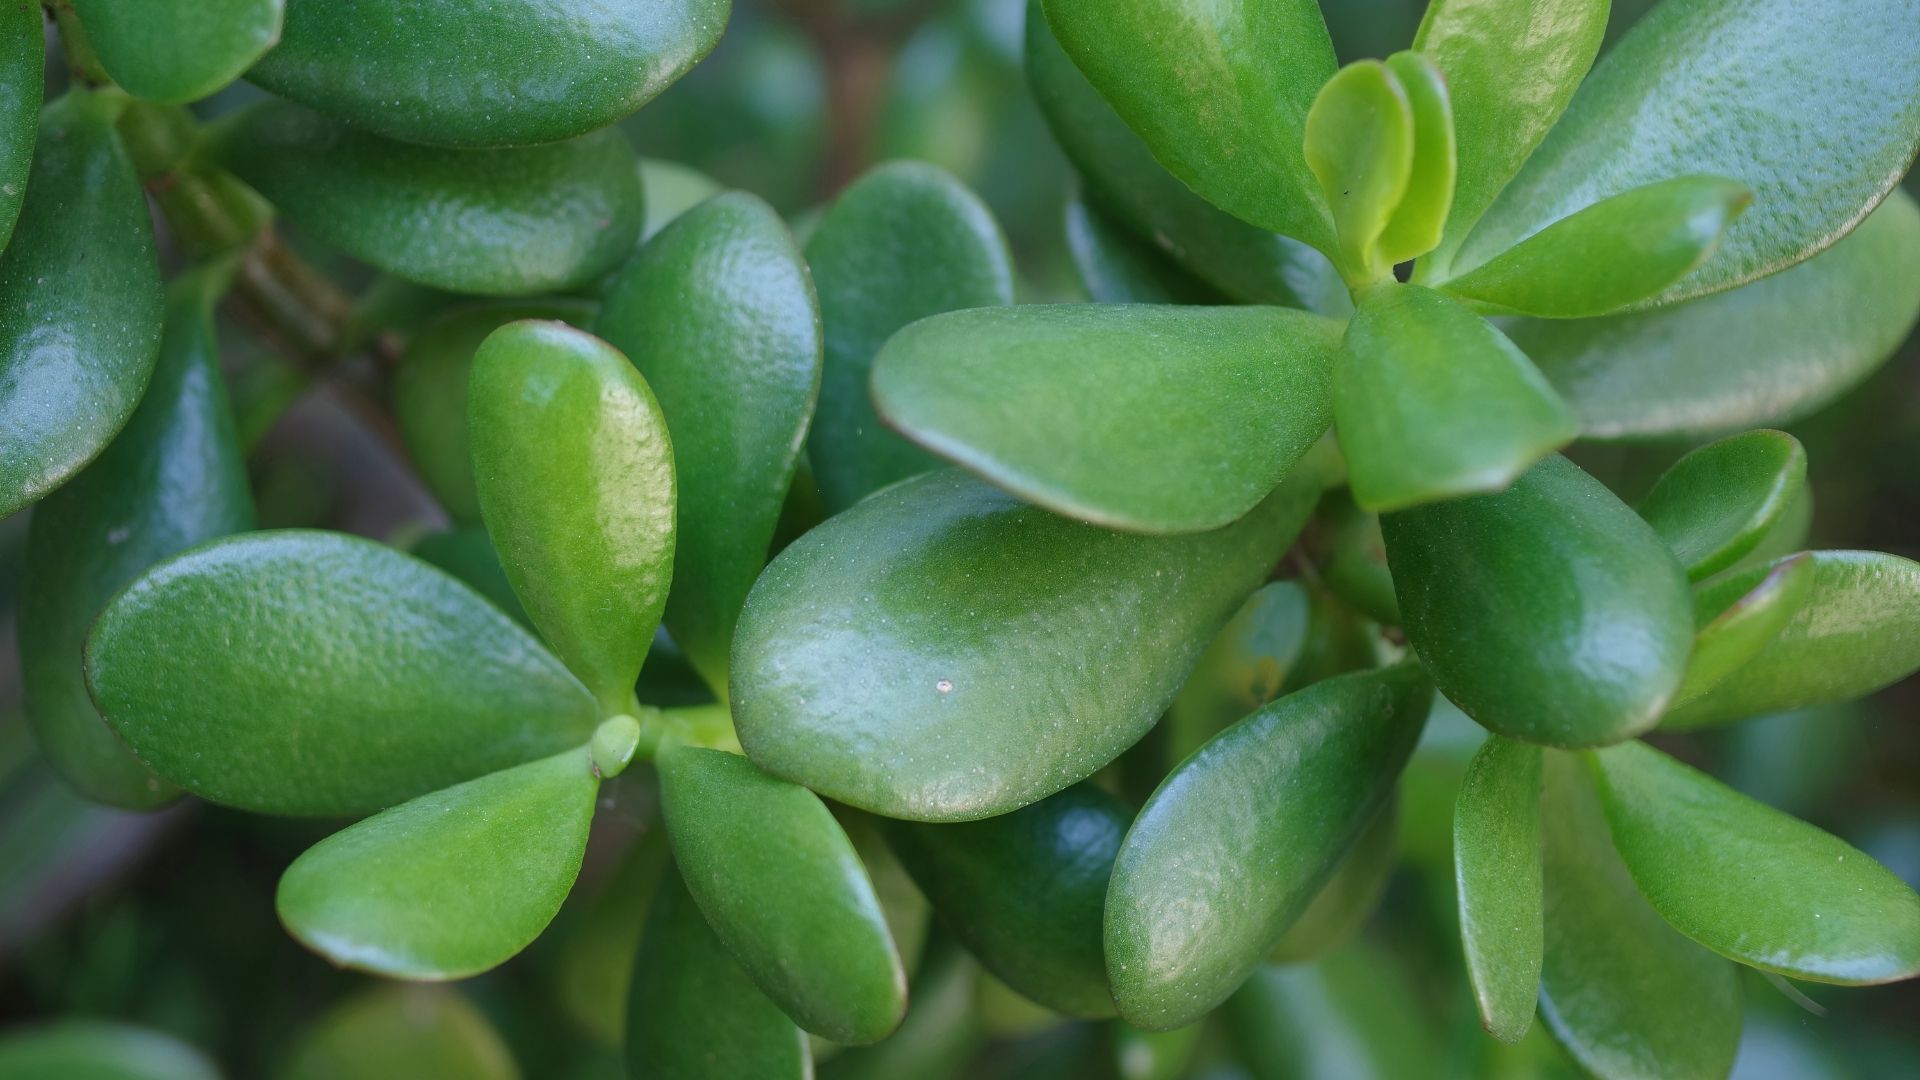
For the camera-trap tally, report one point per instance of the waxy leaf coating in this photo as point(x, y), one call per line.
point(1496, 870)
point(174, 51)
point(22, 77)
point(1359, 143)
point(1587, 651)
point(1739, 617)
point(486, 72)
point(944, 652)
point(315, 673)
point(99, 1050)
point(1238, 840)
point(575, 474)
point(401, 1030)
point(1714, 505)
point(494, 222)
point(779, 882)
point(1150, 418)
point(449, 884)
point(1420, 219)
point(1752, 883)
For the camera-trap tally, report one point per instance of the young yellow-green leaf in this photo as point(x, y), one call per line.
point(1766, 353)
point(1360, 144)
point(1117, 267)
point(1548, 612)
point(672, 189)
point(906, 241)
point(718, 314)
point(1752, 883)
point(171, 479)
point(1149, 418)
point(944, 652)
point(1622, 991)
point(1420, 220)
point(1220, 92)
point(575, 473)
point(1289, 790)
point(693, 1014)
point(495, 222)
point(1695, 87)
point(1345, 903)
point(1247, 664)
point(1024, 892)
point(99, 1050)
point(22, 75)
point(1496, 873)
point(1611, 255)
point(1738, 617)
point(400, 1032)
point(486, 72)
point(449, 884)
point(320, 674)
point(175, 51)
point(1432, 402)
point(780, 884)
point(1858, 630)
point(80, 300)
point(1714, 505)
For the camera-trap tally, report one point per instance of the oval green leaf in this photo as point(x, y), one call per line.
point(1359, 143)
point(99, 1050)
point(175, 51)
point(1420, 220)
point(1714, 505)
point(1738, 617)
point(23, 65)
point(1496, 874)
point(399, 1033)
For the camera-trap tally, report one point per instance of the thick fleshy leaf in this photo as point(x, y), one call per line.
point(1752, 883)
point(1288, 790)
point(80, 301)
point(718, 313)
point(693, 1014)
point(778, 880)
point(486, 72)
point(1622, 991)
point(430, 392)
point(1739, 617)
point(1024, 892)
point(1587, 650)
point(1857, 631)
point(1511, 67)
point(1345, 903)
point(1496, 872)
point(575, 473)
point(1117, 267)
point(316, 673)
point(1611, 255)
point(175, 51)
point(1220, 92)
point(1714, 505)
point(944, 652)
point(904, 242)
point(1359, 144)
point(1421, 218)
point(1694, 87)
point(99, 1050)
point(22, 75)
point(1146, 417)
point(398, 1032)
point(494, 222)
point(1432, 402)
point(173, 478)
point(1245, 666)
point(449, 884)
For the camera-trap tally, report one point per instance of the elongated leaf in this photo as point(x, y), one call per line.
point(494, 222)
point(1432, 402)
point(1345, 903)
point(944, 652)
point(1421, 218)
point(172, 479)
point(1611, 255)
point(486, 72)
point(718, 314)
point(1496, 871)
point(315, 673)
point(1359, 144)
point(1247, 664)
point(1859, 630)
point(1150, 418)
point(904, 242)
point(1116, 267)
point(1714, 505)
point(87, 1049)
point(175, 51)
point(1694, 88)
point(396, 1032)
point(1024, 892)
point(80, 301)
point(1624, 993)
point(1228, 116)
point(1739, 617)
point(1588, 651)
point(779, 882)
point(22, 73)
point(575, 474)
point(1287, 790)
point(1752, 883)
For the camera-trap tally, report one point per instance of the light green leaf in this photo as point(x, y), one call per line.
point(23, 65)
point(175, 51)
point(672, 189)
point(1421, 218)
point(1714, 505)
point(99, 1050)
point(1738, 617)
point(400, 1032)
point(1360, 144)
point(1117, 267)
point(1496, 871)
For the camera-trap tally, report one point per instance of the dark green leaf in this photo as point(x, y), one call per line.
point(594, 969)
point(1496, 869)
point(1359, 143)
point(402, 1033)
point(1714, 505)
point(1421, 217)
point(467, 553)
point(1117, 267)
point(175, 51)
point(1247, 664)
point(1345, 903)
point(99, 1050)
point(1354, 565)
point(23, 64)
point(1739, 617)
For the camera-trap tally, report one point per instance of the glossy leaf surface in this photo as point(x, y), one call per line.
point(1345, 903)
point(1420, 219)
point(486, 72)
point(575, 473)
point(1238, 840)
point(1589, 652)
point(398, 1032)
point(906, 241)
point(397, 679)
point(944, 652)
point(22, 73)
point(1118, 415)
point(1737, 622)
point(493, 222)
point(99, 1050)
point(718, 314)
point(1496, 872)
point(1714, 505)
point(175, 51)
point(1359, 144)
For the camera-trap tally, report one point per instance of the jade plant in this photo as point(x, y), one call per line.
point(1104, 631)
